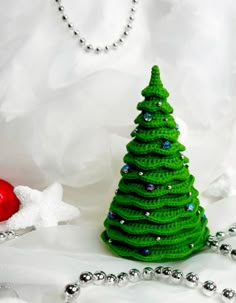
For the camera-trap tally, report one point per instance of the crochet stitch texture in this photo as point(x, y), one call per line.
point(155, 214)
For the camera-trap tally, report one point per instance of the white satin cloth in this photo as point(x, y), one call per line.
point(66, 116)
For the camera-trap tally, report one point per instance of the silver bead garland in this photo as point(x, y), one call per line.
point(160, 273)
point(82, 41)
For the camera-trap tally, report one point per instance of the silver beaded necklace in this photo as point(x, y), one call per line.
point(88, 47)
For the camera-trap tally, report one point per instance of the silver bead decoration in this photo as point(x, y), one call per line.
point(233, 254)
point(176, 276)
point(209, 288)
point(192, 279)
point(106, 49)
point(122, 279)
point(169, 187)
point(228, 295)
point(86, 278)
point(191, 245)
point(158, 238)
point(122, 221)
point(110, 241)
point(10, 234)
point(140, 173)
point(99, 278)
point(225, 249)
point(89, 48)
point(134, 275)
point(148, 273)
point(158, 272)
point(82, 41)
point(71, 291)
point(182, 157)
point(220, 235)
point(147, 213)
point(166, 273)
point(111, 280)
point(232, 231)
point(3, 236)
point(98, 50)
point(214, 245)
point(159, 104)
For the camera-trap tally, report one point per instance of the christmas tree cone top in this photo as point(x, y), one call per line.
point(155, 214)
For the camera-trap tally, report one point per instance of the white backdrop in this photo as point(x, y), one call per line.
point(66, 116)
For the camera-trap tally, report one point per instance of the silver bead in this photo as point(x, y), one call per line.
point(98, 50)
point(71, 291)
point(64, 17)
point(158, 238)
point(232, 231)
point(133, 9)
point(158, 272)
point(191, 245)
point(192, 279)
point(122, 279)
point(126, 33)
point(135, 1)
point(228, 295)
point(214, 245)
point(210, 239)
point(233, 254)
point(134, 275)
point(165, 119)
point(131, 18)
point(110, 241)
point(99, 278)
point(177, 276)
point(82, 41)
point(129, 26)
point(121, 40)
point(89, 48)
point(140, 173)
point(166, 273)
point(220, 235)
point(225, 249)
point(116, 191)
point(106, 49)
point(111, 280)
point(70, 25)
point(209, 288)
point(122, 221)
point(10, 234)
point(159, 104)
point(76, 33)
point(182, 157)
point(115, 45)
point(61, 8)
point(169, 187)
point(86, 278)
point(148, 273)
point(147, 213)
point(3, 236)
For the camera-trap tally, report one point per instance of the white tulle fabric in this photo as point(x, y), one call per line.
point(66, 117)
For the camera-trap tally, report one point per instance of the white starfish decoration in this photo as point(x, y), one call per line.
point(41, 209)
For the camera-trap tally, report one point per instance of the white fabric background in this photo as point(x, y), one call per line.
point(66, 116)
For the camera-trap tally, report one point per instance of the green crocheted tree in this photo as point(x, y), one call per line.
point(155, 214)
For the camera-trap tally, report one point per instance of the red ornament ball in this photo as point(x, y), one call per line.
point(9, 204)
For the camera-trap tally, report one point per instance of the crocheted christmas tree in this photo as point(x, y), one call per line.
point(155, 214)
